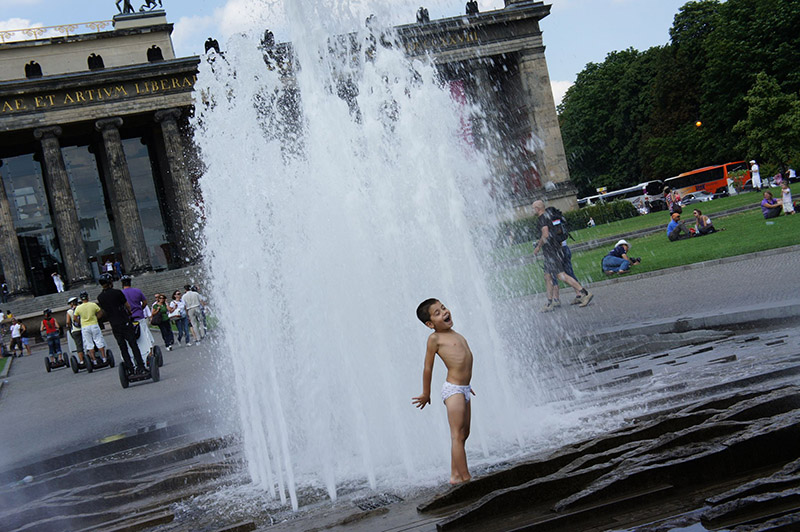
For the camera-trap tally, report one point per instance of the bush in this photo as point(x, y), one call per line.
point(602, 213)
point(524, 230)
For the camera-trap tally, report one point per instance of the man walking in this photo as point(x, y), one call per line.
point(194, 306)
point(554, 258)
point(117, 311)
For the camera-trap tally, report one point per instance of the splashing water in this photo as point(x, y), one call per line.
point(336, 200)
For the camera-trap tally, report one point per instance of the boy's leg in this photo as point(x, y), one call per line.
point(458, 417)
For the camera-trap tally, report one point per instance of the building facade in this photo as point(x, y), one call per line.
point(93, 153)
point(96, 159)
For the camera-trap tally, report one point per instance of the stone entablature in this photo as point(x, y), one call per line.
point(69, 54)
point(92, 95)
point(469, 37)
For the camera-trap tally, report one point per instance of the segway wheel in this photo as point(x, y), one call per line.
point(47, 364)
point(73, 363)
point(123, 375)
point(88, 363)
point(155, 374)
point(158, 355)
point(110, 358)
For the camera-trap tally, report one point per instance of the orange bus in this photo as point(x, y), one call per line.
point(712, 179)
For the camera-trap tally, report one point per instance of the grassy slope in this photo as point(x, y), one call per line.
point(744, 233)
point(652, 220)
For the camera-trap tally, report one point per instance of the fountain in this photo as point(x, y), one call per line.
point(336, 199)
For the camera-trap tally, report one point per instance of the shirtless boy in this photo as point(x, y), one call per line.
point(452, 348)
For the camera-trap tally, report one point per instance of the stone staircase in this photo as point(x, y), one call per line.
point(149, 283)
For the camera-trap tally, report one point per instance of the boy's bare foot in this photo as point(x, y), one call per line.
point(454, 481)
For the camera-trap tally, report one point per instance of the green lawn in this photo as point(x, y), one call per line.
point(747, 232)
point(651, 220)
point(3, 361)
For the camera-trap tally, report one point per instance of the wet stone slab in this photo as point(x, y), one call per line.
point(711, 425)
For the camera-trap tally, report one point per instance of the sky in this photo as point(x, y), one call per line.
point(576, 32)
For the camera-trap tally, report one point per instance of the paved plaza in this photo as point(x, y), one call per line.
point(72, 434)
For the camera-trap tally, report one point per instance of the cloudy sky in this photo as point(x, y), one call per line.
point(575, 33)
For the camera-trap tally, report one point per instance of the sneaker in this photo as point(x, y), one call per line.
point(169, 348)
point(576, 301)
point(556, 303)
point(548, 307)
point(586, 298)
point(188, 344)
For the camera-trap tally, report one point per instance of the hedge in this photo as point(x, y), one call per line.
point(524, 230)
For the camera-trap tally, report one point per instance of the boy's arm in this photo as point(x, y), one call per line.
point(427, 373)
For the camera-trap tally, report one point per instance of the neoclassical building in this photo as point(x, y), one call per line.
point(96, 159)
point(93, 146)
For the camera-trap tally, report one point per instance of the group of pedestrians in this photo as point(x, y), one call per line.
point(129, 315)
point(186, 309)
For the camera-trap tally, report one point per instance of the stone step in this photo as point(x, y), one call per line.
point(149, 283)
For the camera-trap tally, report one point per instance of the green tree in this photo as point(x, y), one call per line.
point(750, 36)
point(603, 117)
point(770, 132)
point(673, 144)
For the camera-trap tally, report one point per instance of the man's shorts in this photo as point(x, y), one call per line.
point(77, 339)
point(553, 262)
point(92, 335)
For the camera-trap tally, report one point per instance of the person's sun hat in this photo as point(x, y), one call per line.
point(622, 243)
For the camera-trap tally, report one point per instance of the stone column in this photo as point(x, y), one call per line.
point(10, 253)
point(179, 186)
point(491, 123)
point(62, 204)
point(542, 115)
point(127, 222)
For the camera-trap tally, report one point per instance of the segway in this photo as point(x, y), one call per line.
point(63, 363)
point(147, 344)
point(128, 375)
point(87, 362)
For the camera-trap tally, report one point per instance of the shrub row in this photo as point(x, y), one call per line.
point(524, 230)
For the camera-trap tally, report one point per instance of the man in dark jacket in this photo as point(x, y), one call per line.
point(117, 311)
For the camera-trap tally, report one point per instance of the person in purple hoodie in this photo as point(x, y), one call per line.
point(138, 302)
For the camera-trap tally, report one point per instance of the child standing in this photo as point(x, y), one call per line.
point(786, 198)
point(454, 351)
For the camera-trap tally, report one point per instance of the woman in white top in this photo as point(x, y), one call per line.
point(177, 311)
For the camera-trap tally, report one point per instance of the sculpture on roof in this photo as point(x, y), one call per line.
point(151, 5)
point(127, 8)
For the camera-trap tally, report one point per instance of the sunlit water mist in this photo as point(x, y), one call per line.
point(323, 233)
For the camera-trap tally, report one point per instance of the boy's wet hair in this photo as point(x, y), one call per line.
point(424, 310)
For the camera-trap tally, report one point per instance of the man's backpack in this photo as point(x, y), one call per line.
point(559, 231)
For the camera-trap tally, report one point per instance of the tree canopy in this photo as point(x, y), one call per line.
point(632, 117)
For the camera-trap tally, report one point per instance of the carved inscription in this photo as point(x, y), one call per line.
point(78, 97)
point(441, 42)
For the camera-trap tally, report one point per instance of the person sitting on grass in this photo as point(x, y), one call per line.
point(770, 207)
point(676, 230)
point(703, 224)
point(617, 260)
